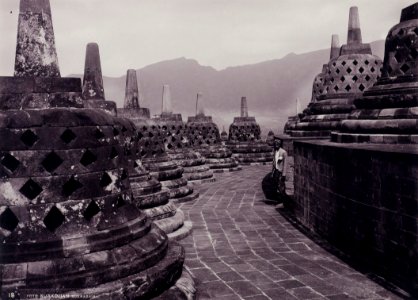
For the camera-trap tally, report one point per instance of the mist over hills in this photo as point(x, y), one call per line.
point(271, 87)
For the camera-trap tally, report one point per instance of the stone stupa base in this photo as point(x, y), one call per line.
point(251, 153)
point(170, 176)
point(339, 137)
point(170, 220)
point(219, 159)
point(310, 133)
point(196, 170)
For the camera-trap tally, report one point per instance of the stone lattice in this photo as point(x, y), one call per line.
point(204, 136)
point(351, 74)
point(178, 147)
point(318, 88)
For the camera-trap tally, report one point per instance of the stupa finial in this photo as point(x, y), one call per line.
point(36, 55)
point(244, 107)
point(167, 107)
point(354, 30)
point(131, 92)
point(200, 107)
point(93, 80)
point(335, 46)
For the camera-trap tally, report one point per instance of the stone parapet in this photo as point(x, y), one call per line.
point(362, 198)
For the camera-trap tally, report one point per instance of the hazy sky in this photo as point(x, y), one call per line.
point(217, 33)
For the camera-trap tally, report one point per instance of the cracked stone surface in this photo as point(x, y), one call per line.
point(242, 248)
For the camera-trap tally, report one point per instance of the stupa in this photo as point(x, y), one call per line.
point(366, 177)
point(93, 91)
point(177, 143)
point(147, 191)
point(245, 139)
point(68, 221)
point(387, 112)
point(349, 73)
point(151, 147)
point(205, 138)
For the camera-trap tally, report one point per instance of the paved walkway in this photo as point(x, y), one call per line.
point(242, 248)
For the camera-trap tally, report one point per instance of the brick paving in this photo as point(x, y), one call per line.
point(242, 248)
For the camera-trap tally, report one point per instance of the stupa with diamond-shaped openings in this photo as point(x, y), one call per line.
point(177, 143)
point(205, 138)
point(244, 139)
point(347, 76)
point(68, 222)
point(151, 146)
point(387, 113)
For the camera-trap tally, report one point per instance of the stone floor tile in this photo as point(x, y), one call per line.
point(290, 284)
point(204, 275)
point(214, 290)
point(244, 288)
point(293, 270)
point(258, 297)
point(304, 293)
point(279, 294)
point(230, 276)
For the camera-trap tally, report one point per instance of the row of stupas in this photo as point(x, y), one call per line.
point(197, 146)
point(149, 151)
point(76, 199)
point(356, 152)
point(351, 70)
point(88, 192)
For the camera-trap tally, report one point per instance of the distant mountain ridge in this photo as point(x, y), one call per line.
point(271, 87)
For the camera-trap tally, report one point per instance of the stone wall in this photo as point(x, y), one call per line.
point(364, 200)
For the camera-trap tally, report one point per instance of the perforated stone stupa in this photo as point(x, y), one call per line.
point(177, 143)
point(68, 222)
point(151, 147)
point(147, 191)
point(388, 112)
point(346, 77)
point(204, 137)
point(245, 139)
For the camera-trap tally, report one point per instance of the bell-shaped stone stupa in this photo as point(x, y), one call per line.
point(245, 139)
point(177, 143)
point(388, 112)
point(151, 146)
point(346, 77)
point(68, 222)
point(204, 137)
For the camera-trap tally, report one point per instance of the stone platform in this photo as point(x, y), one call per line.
point(243, 248)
